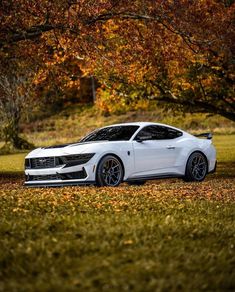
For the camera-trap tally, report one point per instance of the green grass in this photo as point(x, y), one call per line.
point(225, 146)
point(12, 163)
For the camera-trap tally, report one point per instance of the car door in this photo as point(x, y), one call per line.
point(156, 149)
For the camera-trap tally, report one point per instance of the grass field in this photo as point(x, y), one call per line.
point(165, 236)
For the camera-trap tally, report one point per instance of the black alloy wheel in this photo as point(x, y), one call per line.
point(196, 168)
point(109, 172)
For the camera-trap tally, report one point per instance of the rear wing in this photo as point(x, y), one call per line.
point(205, 135)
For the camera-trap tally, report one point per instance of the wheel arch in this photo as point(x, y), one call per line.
point(196, 151)
point(112, 154)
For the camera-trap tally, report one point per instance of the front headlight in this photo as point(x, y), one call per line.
point(76, 159)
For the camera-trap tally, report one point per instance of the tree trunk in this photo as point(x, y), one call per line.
point(12, 138)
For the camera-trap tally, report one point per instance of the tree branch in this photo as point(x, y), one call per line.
point(168, 96)
point(31, 33)
point(128, 15)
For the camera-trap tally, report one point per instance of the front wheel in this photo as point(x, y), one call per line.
point(109, 172)
point(196, 168)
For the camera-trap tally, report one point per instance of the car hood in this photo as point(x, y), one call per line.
point(66, 149)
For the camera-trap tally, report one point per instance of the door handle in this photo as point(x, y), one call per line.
point(170, 147)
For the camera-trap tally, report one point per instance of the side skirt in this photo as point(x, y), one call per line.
point(154, 177)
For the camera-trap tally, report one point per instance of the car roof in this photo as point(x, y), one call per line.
point(133, 124)
point(142, 124)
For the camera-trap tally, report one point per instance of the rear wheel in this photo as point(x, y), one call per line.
point(109, 172)
point(196, 168)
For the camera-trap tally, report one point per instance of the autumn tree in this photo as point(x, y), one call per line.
point(177, 52)
point(15, 102)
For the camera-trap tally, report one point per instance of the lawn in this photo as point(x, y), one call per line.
point(166, 235)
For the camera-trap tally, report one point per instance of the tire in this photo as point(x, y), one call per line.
point(136, 182)
point(196, 168)
point(110, 172)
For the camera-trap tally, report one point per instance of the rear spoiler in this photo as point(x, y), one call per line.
point(206, 135)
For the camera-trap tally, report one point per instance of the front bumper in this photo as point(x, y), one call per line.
point(214, 169)
point(59, 176)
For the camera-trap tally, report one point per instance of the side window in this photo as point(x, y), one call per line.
point(148, 131)
point(172, 133)
point(158, 133)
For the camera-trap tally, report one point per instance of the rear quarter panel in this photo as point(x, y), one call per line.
point(193, 144)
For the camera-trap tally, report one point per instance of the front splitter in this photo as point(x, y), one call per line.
point(58, 184)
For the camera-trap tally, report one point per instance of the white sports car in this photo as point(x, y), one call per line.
point(130, 152)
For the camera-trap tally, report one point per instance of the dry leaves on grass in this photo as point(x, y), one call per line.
point(135, 199)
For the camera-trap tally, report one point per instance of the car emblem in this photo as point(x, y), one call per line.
point(42, 161)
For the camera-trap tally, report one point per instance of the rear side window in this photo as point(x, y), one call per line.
point(159, 133)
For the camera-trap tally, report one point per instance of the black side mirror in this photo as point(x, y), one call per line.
point(143, 138)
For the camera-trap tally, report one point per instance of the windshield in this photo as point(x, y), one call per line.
point(115, 133)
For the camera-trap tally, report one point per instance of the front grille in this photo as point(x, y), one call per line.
point(42, 177)
point(59, 176)
point(51, 162)
point(43, 162)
